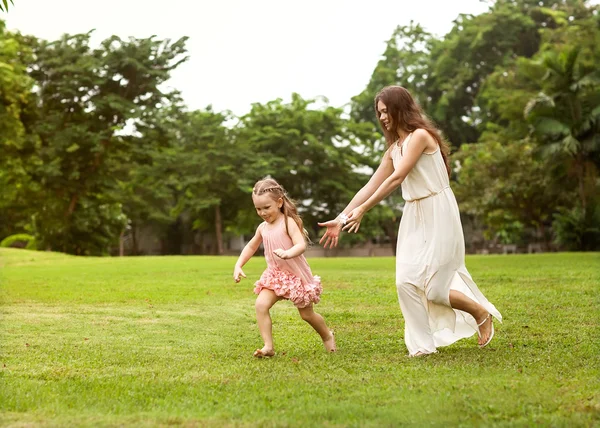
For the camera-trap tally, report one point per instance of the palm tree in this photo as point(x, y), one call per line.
point(4, 5)
point(565, 115)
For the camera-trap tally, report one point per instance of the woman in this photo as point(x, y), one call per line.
point(439, 300)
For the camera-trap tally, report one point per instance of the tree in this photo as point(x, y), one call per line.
point(552, 101)
point(468, 54)
point(87, 99)
point(213, 173)
point(405, 62)
point(565, 118)
point(313, 153)
point(150, 184)
point(507, 188)
point(18, 145)
point(566, 113)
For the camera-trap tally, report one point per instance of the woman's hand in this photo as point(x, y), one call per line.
point(354, 219)
point(332, 234)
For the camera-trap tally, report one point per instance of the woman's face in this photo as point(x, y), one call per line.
point(384, 117)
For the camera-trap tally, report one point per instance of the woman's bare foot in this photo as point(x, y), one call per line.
point(264, 352)
point(330, 343)
point(485, 329)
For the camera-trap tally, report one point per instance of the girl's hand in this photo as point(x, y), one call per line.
point(237, 273)
point(354, 219)
point(332, 234)
point(282, 254)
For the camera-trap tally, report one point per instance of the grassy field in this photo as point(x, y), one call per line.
point(159, 341)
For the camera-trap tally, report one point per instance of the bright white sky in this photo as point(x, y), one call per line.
point(246, 51)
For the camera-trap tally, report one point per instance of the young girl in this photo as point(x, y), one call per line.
point(288, 275)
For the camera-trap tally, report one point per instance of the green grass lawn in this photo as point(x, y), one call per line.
point(168, 341)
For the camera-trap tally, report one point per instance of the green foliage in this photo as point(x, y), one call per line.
point(96, 152)
point(507, 187)
point(210, 167)
point(467, 55)
point(16, 108)
point(4, 5)
point(22, 239)
point(577, 228)
point(86, 98)
point(557, 92)
point(405, 62)
point(313, 153)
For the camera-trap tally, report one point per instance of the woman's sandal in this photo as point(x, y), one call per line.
point(260, 354)
point(491, 334)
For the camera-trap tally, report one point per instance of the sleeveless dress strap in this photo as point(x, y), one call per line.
point(406, 140)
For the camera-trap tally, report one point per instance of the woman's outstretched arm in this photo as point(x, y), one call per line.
point(418, 144)
point(334, 227)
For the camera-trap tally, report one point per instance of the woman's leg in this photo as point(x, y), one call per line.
point(318, 323)
point(264, 302)
point(417, 333)
point(462, 302)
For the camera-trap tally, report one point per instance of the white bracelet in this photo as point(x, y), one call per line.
point(343, 219)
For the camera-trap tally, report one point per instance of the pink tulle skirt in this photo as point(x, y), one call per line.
point(290, 287)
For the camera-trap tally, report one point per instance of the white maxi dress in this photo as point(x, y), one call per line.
point(430, 258)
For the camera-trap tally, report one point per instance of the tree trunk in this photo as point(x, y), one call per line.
point(219, 229)
point(134, 242)
point(581, 178)
point(121, 244)
point(72, 205)
point(391, 230)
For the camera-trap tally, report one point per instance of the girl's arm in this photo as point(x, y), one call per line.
point(246, 254)
point(418, 143)
point(297, 239)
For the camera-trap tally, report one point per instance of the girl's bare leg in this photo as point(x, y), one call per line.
point(264, 302)
point(318, 323)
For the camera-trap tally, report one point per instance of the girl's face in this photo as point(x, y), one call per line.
point(384, 116)
point(267, 208)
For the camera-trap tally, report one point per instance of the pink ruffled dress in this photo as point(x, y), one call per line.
point(290, 279)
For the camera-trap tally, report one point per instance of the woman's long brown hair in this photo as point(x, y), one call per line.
point(289, 209)
point(406, 114)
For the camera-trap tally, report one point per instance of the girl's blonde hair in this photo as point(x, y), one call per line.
point(276, 191)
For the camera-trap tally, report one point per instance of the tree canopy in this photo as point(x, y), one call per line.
point(95, 151)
